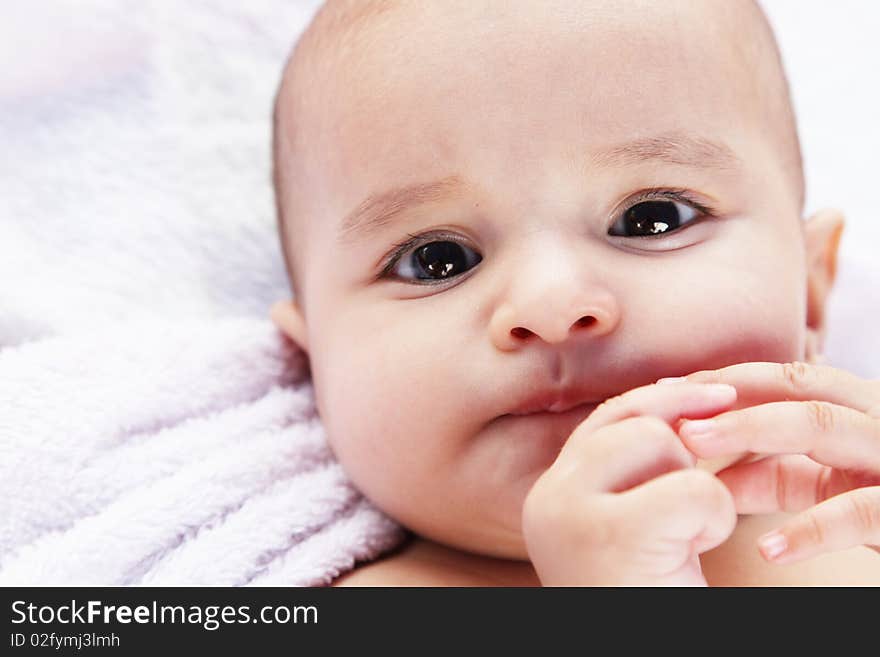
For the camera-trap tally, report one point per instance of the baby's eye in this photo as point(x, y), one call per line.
point(653, 218)
point(435, 261)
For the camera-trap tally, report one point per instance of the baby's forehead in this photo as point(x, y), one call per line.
point(374, 59)
point(413, 83)
point(359, 36)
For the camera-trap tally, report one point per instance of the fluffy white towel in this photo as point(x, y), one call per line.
point(173, 453)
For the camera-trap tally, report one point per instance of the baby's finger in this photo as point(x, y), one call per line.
point(828, 433)
point(792, 482)
point(686, 505)
point(624, 454)
point(841, 522)
point(759, 382)
point(668, 402)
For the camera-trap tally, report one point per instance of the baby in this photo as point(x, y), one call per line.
point(504, 221)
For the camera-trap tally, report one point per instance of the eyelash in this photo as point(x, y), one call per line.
point(399, 249)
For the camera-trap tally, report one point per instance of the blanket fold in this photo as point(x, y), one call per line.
point(173, 453)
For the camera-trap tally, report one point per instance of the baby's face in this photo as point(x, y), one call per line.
point(585, 204)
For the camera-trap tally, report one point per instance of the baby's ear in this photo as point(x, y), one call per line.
point(822, 233)
point(289, 318)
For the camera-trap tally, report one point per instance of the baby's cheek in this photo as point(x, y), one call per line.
point(385, 406)
point(753, 311)
point(746, 304)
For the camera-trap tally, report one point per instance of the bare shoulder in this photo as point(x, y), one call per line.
point(423, 563)
point(397, 571)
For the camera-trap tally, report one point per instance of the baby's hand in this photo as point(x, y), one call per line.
point(824, 445)
point(623, 504)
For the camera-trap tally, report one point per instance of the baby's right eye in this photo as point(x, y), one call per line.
point(434, 262)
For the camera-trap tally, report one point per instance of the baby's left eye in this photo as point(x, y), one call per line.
point(653, 218)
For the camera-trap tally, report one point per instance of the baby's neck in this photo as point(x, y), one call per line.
point(420, 562)
point(485, 571)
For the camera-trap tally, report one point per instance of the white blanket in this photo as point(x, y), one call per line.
point(172, 453)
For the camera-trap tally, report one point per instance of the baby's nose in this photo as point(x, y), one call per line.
point(553, 318)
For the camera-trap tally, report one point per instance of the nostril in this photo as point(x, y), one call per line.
point(586, 320)
point(520, 332)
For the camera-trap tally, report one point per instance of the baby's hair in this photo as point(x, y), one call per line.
point(329, 37)
point(336, 31)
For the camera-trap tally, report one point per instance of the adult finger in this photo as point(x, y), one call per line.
point(791, 482)
point(840, 522)
point(831, 434)
point(758, 382)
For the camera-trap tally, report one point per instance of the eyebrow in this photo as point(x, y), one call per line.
point(380, 210)
point(674, 148)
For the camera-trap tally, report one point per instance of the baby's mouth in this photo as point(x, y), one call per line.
point(578, 413)
point(558, 410)
point(552, 402)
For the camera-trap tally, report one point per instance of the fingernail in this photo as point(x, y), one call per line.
point(697, 428)
point(671, 379)
point(772, 544)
